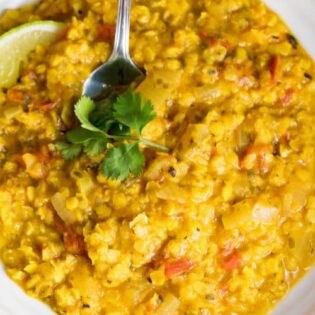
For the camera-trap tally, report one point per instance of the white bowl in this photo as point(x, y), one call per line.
point(300, 16)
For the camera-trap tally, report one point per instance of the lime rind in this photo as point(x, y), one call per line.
point(48, 26)
point(16, 44)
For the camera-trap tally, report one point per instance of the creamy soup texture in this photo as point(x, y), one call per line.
point(223, 224)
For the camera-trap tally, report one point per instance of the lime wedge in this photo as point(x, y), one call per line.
point(16, 44)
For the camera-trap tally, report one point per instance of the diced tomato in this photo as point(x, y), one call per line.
point(43, 154)
point(220, 70)
point(106, 32)
point(203, 35)
point(274, 68)
point(285, 100)
point(254, 156)
point(43, 106)
point(223, 288)
point(73, 242)
point(230, 258)
point(47, 106)
point(18, 158)
point(59, 224)
point(233, 262)
point(15, 96)
point(228, 45)
point(175, 268)
point(227, 251)
point(214, 41)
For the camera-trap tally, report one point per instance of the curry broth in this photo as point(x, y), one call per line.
point(222, 225)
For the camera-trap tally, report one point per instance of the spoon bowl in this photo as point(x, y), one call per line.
point(119, 71)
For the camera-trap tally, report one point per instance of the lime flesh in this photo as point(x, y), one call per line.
point(16, 44)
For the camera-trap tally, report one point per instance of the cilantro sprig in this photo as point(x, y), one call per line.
point(113, 126)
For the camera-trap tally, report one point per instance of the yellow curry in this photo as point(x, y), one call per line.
point(223, 224)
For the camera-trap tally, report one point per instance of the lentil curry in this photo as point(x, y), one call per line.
point(224, 224)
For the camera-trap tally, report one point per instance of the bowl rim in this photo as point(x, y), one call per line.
point(299, 16)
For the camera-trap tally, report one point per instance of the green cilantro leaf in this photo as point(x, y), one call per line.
point(136, 162)
point(131, 110)
point(95, 146)
point(93, 142)
point(118, 129)
point(102, 116)
point(111, 121)
point(80, 135)
point(83, 109)
point(68, 151)
point(123, 160)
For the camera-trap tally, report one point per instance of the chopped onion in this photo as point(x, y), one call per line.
point(169, 306)
point(59, 205)
point(264, 213)
point(171, 191)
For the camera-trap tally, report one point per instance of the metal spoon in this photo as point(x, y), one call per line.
point(119, 71)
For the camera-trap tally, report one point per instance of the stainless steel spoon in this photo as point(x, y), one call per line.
point(119, 71)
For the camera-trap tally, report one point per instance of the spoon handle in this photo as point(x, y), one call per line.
point(121, 45)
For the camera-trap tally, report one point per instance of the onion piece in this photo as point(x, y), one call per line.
point(264, 213)
point(171, 191)
point(59, 204)
point(169, 306)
